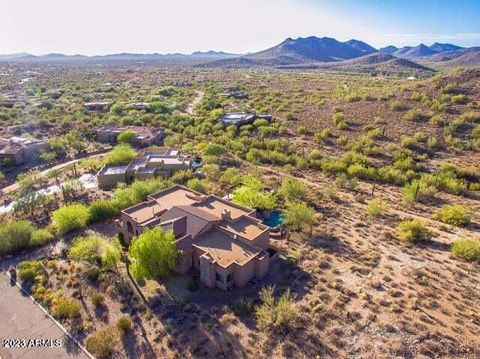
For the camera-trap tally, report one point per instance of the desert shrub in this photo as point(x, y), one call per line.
point(323, 135)
point(124, 325)
point(71, 217)
point(419, 190)
point(29, 270)
point(121, 154)
point(456, 215)
point(197, 185)
point(40, 236)
point(126, 136)
point(413, 230)
point(103, 342)
point(96, 250)
point(338, 118)
point(376, 207)
point(416, 115)
point(301, 130)
point(66, 308)
point(215, 150)
point(449, 89)
point(15, 235)
point(460, 99)
point(138, 191)
point(398, 106)
point(466, 248)
point(231, 176)
point(277, 316)
point(97, 299)
point(437, 121)
point(101, 210)
point(293, 189)
point(243, 306)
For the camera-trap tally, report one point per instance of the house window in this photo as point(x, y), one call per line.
point(129, 227)
point(136, 232)
point(229, 277)
point(219, 277)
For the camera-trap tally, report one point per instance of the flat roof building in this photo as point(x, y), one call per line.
point(143, 136)
point(237, 118)
point(148, 164)
point(221, 240)
point(16, 150)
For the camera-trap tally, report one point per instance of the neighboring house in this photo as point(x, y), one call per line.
point(221, 240)
point(17, 150)
point(237, 118)
point(97, 106)
point(144, 137)
point(141, 106)
point(146, 165)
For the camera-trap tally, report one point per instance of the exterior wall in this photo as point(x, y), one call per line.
point(261, 241)
point(13, 158)
point(207, 272)
point(106, 137)
point(242, 274)
point(262, 264)
point(223, 272)
point(110, 180)
point(135, 228)
point(185, 245)
point(197, 253)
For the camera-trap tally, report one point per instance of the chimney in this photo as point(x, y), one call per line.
point(226, 214)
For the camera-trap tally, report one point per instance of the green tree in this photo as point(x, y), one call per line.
point(298, 215)
point(126, 137)
point(121, 154)
point(153, 254)
point(293, 189)
point(70, 217)
point(251, 195)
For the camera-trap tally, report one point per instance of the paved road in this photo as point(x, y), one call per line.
point(20, 318)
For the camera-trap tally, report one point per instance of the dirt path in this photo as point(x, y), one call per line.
point(191, 106)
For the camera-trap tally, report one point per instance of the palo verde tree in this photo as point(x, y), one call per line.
point(251, 195)
point(153, 254)
point(298, 215)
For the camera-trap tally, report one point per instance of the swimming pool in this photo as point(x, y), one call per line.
point(275, 219)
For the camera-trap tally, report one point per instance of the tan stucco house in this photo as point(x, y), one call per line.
point(147, 164)
point(143, 136)
point(221, 240)
point(17, 150)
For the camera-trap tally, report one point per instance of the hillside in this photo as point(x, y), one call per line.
point(381, 63)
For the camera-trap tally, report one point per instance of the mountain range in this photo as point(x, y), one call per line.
point(308, 52)
point(325, 52)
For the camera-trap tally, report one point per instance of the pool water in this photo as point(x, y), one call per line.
point(274, 220)
point(197, 162)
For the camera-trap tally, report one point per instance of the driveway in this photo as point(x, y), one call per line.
point(20, 319)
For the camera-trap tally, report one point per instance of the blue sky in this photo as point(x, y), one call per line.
point(110, 26)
